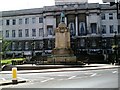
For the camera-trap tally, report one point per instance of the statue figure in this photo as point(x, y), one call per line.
point(62, 17)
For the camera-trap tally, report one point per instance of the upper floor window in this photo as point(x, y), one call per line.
point(26, 32)
point(93, 27)
point(13, 22)
point(20, 33)
point(20, 21)
point(81, 28)
point(7, 22)
point(103, 16)
point(34, 20)
point(72, 29)
point(33, 32)
point(26, 20)
point(110, 16)
point(111, 28)
point(40, 20)
point(118, 28)
point(7, 33)
point(40, 31)
point(50, 30)
point(103, 29)
point(13, 33)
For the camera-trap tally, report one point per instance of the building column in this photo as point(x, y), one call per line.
point(76, 23)
point(44, 27)
point(98, 24)
point(87, 23)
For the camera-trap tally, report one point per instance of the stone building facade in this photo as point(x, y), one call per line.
point(92, 28)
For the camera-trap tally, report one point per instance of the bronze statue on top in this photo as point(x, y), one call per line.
point(62, 17)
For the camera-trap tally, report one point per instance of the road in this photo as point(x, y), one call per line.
point(104, 78)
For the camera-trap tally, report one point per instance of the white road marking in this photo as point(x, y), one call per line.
point(47, 80)
point(62, 75)
point(114, 72)
point(93, 74)
point(71, 77)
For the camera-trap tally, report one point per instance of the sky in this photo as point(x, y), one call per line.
point(6, 5)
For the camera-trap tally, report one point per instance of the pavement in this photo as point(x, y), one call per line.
point(54, 68)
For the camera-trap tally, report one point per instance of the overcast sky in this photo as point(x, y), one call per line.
point(6, 5)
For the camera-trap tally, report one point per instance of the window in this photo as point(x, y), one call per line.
point(20, 32)
point(93, 43)
point(40, 31)
point(13, 33)
point(13, 22)
point(34, 20)
point(26, 20)
point(40, 20)
point(103, 16)
point(49, 44)
point(41, 44)
point(26, 32)
point(93, 27)
point(7, 22)
point(7, 33)
point(72, 29)
point(20, 21)
point(118, 28)
point(26, 45)
point(13, 46)
point(110, 16)
point(19, 45)
point(33, 32)
point(103, 29)
point(50, 30)
point(82, 42)
point(81, 28)
point(111, 29)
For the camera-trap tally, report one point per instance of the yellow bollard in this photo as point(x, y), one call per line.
point(14, 75)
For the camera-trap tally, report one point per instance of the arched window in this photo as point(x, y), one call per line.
point(72, 28)
point(82, 28)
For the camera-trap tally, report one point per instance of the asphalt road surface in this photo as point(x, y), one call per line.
point(104, 78)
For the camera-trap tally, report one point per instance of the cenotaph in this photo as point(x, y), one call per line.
point(62, 53)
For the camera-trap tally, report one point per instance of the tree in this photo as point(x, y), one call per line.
point(5, 46)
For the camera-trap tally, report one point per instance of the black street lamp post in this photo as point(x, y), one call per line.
point(33, 47)
point(115, 47)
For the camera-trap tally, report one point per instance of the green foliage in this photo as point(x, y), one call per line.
point(8, 61)
point(5, 45)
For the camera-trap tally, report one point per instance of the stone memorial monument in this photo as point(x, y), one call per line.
point(62, 53)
